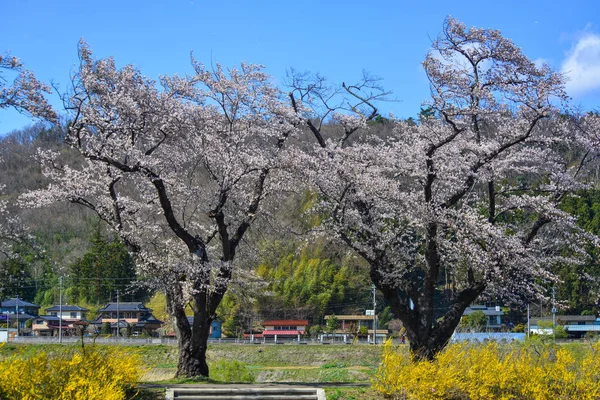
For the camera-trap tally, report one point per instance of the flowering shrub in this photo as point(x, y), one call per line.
point(491, 371)
point(98, 373)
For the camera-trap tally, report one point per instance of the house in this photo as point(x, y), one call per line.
point(16, 312)
point(574, 325)
point(350, 323)
point(493, 315)
point(49, 324)
point(284, 328)
point(133, 314)
point(66, 312)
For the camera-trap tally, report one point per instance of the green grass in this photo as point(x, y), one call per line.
point(352, 393)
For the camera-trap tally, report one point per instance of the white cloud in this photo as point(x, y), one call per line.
point(582, 66)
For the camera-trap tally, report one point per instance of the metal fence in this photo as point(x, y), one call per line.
point(173, 341)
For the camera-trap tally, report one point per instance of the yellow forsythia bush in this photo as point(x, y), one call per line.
point(491, 371)
point(97, 373)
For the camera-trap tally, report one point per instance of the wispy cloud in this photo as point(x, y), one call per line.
point(582, 65)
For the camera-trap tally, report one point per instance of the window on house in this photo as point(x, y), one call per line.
point(73, 315)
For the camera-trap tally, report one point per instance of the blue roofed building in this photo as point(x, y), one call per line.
point(17, 311)
point(133, 314)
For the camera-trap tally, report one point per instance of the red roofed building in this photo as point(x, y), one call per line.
point(283, 328)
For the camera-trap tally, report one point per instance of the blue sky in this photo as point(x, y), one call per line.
point(338, 39)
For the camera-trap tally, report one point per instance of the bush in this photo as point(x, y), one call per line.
point(97, 373)
point(492, 371)
point(105, 330)
point(315, 330)
point(231, 371)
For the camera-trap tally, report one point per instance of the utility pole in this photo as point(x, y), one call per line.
point(374, 317)
point(117, 314)
point(17, 305)
point(528, 323)
point(554, 313)
point(60, 310)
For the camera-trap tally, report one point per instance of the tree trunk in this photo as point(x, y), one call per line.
point(427, 336)
point(192, 341)
point(427, 346)
point(192, 356)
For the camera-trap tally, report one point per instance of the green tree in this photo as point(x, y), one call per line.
point(385, 317)
point(16, 280)
point(104, 269)
point(333, 323)
point(105, 330)
point(576, 289)
point(311, 283)
point(477, 320)
point(315, 330)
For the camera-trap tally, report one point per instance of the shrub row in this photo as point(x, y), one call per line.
point(91, 373)
point(493, 371)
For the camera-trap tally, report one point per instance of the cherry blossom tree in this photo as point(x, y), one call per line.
point(180, 172)
point(463, 205)
point(12, 231)
point(26, 93)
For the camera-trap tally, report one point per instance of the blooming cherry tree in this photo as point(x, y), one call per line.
point(179, 172)
point(26, 94)
point(465, 203)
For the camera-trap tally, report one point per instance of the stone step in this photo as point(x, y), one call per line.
point(248, 397)
point(245, 393)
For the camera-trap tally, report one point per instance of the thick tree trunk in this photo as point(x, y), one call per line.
point(415, 308)
point(192, 356)
point(426, 341)
point(192, 340)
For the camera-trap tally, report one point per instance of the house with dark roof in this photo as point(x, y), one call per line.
point(17, 311)
point(67, 312)
point(49, 325)
point(133, 314)
point(493, 315)
point(67, 315)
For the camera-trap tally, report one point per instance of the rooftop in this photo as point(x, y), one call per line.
point(12, 303)
point(486, 310)
point(126, 306)
point(351, 317)
point(66, 308)
point(563, 319)
point(285, 322)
